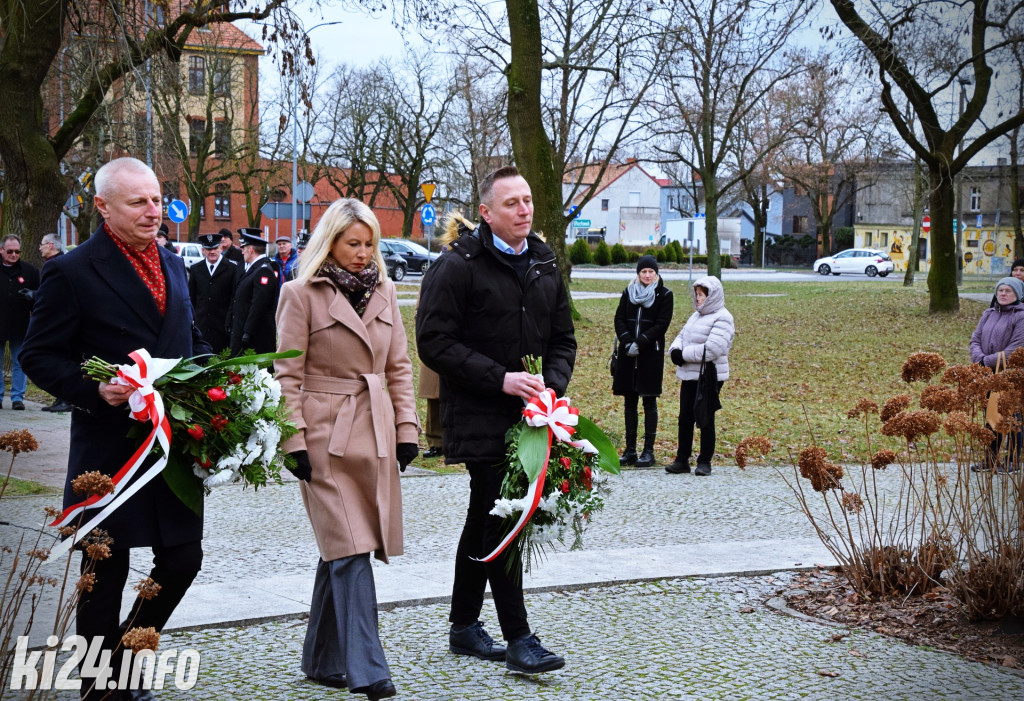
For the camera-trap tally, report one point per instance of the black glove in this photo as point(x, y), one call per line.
point(406, 453)
point(303, 470)
point(677, 356)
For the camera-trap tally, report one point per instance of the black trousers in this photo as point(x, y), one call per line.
point(99, 611)
point(632, 416)
point(687, 394)
point(480, 535)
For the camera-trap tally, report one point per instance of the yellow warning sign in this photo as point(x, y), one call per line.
point(428, 190)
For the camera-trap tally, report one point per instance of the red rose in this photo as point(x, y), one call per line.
point(587, 478)
point(565, 486)
point(216, 394)
point(219, 422)
point(205, 463)
point(196, 431)
point(234, 378)
point(566, 463)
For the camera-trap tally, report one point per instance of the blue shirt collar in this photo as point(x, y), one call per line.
point(505, 248)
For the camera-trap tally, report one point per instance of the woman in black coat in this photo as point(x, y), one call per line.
point(643, 317)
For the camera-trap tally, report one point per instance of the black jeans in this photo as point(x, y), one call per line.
point(687, 393)
point(480, 535)
point(633, 420)
point(99, 611)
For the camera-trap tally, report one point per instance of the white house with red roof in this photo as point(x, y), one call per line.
point(626, 205)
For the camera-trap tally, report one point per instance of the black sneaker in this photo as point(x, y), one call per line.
point(18, 405)
point(474, 641)
point(678, 467)
point(703, 468)
point(527, 656)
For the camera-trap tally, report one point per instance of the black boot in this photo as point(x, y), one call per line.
point(628, 457)
point(647, 455)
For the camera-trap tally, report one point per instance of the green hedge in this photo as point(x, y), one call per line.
point(579, 254)
point(603, 254)
point(619, 254)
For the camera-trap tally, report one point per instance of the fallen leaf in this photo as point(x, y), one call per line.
point(837, 637)
point(747, 609)
point(827, 673)
point(1009, 661)
point(856, 653)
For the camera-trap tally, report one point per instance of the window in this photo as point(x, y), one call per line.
point(196, 134)
point(883, 239)
point(867, 238)
point(170, 190)
point(222, 137)
point(799, 225)
point(221, 76)
point(634, 199)
point(196, 75)
point(975, 199)
point(604, 205)
point(222, 202)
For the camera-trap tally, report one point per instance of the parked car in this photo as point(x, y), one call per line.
point(191, 253)
point(418, 257)
point(397, 265)
point(866, 261)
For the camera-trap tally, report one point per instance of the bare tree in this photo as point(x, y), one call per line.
point(726, 57)
point(837, 138)
point(34, 36)
point(975, 36)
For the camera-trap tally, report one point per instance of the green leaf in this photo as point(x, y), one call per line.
point(254, 359)
point(608, 459)
point(533, 450)
point(180, 413)
point(183, 482)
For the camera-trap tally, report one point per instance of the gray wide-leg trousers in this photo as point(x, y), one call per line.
point(342, 637)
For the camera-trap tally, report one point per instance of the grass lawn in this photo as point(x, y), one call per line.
point(804, 353)
point(19, 488)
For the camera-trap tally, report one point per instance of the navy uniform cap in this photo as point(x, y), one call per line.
point(252, 236)
point(210, 240)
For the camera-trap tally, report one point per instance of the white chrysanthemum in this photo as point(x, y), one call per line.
point(271, 439)
point(547, 534)
point(220, 478)
point(254, 400)
point(200, 472)
point(232, 461)
point(549, 503)
point(503, 508)
point(273, 389)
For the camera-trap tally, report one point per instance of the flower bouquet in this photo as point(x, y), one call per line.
point(554, 477)
point(226, 419)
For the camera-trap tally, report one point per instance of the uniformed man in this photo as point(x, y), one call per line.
point(255, 303)
point(211, 287)
point(228, 248)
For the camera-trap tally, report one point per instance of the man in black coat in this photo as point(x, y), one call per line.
point(228, 248)
point(211, 286)
point(496, 296)
point(19, 280)
point(255, 304)
point(114, 294)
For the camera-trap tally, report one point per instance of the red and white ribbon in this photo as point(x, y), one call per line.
point(145, 404)
point(544, 411)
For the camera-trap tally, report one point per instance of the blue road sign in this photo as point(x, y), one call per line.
point(581, 223)
point(428, 215)
point(177, 211)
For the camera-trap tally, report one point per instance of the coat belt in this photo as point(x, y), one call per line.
point(367, 382)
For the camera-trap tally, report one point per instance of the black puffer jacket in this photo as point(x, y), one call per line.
point(642, 374)
point(475, 322)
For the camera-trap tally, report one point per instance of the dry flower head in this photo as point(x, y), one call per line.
point(815, 466)
point(852, 502)
point(912, 424)
point(92, 483)
point(139, 639)
point(147, 588)
point(1016, 358)
point(893, 406)
point(969, 380)
point(922, 366)
point(86, 582)
point(882, 459)
point(20, 441)
point(941, 398)
point(760, 444)
point(864, 407)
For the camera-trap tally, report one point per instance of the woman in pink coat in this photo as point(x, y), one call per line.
point(351, 397)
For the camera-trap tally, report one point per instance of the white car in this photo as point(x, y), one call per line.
point(191, 253)
point(863, 261)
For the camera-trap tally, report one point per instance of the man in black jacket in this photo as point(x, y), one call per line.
point(116, 293)
point(19, 280)
point(211, 286)
point(255, 304)
point(495, 297)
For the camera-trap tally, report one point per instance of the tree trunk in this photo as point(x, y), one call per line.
point(1018, 234)
point(530, 143)
point(34, 189)
point(711, 226)
point(943, 293)
point(914, 254)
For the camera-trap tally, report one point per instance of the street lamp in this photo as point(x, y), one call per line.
point(964, 82)
point(295, 132)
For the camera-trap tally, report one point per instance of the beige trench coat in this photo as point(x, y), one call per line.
point(351, 396)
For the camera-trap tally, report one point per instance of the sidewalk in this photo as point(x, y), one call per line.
point(666, 601)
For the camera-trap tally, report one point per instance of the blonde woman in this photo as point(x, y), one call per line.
point(351, 396)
